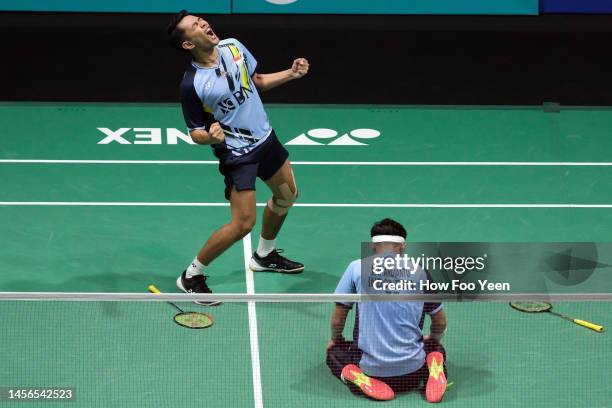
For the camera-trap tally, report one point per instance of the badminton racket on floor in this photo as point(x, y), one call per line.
point(191, 320)
point(538, 307)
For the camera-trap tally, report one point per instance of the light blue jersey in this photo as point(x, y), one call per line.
point(226, 94)
point(390, 333)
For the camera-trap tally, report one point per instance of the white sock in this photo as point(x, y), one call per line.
point(196, 268)
point(265, 246)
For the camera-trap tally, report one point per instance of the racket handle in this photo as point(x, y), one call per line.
point(153, 289)
point(588, 325)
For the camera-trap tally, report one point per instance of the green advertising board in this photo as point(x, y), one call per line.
point(132, 6)
point(387, 6)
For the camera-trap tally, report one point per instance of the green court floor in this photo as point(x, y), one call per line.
point(84, 216)
point(126, 354)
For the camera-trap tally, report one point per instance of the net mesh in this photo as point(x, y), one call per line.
point(131, 354)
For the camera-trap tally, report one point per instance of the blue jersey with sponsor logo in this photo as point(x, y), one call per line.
point(226, 94)
point(389, 333)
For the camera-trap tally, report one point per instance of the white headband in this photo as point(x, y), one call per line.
point(388, 238)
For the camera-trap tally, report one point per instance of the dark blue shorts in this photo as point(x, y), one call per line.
point(263, 162)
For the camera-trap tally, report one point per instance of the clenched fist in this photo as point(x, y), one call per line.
point(216, 133)
point(299, 68)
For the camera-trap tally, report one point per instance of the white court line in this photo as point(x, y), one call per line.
point(525, 164)
point(314, 163)
point(340, 205)
point(250, 284)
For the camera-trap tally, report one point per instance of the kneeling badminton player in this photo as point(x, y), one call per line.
point(388, 353)
point(222, 108)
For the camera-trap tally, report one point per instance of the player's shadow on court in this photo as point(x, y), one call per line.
point(121, 282)
point(468, 381)
point(226, 277)
point(107, 282)
point(311, 281)
point(327, 386)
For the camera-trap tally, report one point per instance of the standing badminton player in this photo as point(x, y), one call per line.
point(222, 108)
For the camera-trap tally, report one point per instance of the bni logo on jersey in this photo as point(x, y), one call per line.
point(329, 137)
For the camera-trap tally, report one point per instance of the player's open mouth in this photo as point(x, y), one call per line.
point(210, 33)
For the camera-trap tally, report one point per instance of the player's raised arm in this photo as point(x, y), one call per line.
point(298, 69)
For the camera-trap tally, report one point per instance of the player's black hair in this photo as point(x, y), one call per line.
point(388, 226)
point(175, 34)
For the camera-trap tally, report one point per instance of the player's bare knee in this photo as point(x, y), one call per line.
point(246, 226)
point(281, 204)
point(243, 225)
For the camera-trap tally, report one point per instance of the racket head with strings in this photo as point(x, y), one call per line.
point(531, 306)
point(194, 320)
point(190, 320)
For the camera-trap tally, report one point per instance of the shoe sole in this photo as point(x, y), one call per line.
point(436, 383)
point(371, 387)
point(179, 284)
point(255, 267)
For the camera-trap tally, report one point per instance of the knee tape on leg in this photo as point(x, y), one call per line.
point(281, 205)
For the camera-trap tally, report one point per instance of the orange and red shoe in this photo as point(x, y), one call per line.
point(371, 387)
point(436, 384)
